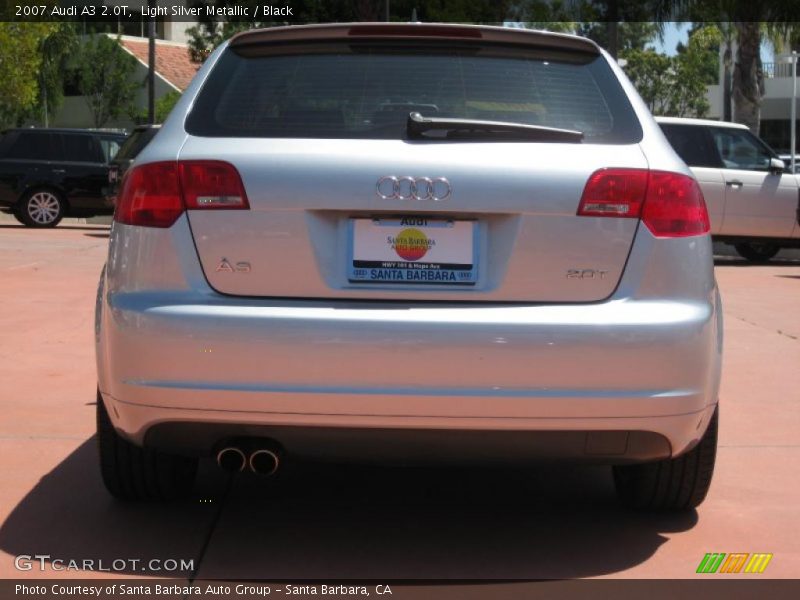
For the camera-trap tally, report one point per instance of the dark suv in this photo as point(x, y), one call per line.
point(134, 144)
point(47, 174)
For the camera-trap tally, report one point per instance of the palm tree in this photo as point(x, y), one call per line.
point(728, 34)
point(752, 21)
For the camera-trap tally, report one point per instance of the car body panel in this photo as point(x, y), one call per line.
point(712, 182)
point(759, 204)
point(294, 237)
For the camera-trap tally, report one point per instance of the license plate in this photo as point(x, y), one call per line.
point(413, 250)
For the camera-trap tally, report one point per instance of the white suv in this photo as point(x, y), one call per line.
point(752, 200)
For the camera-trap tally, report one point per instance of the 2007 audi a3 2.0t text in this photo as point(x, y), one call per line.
point(407, 241)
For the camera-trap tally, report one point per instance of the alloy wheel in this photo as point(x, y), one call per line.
point(44, 208)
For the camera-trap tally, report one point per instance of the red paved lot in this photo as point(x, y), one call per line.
point(367, 522)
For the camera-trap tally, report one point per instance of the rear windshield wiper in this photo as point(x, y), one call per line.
point(417, 126)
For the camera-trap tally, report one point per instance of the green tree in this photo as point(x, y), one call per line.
point(630, 35)
point(165, 104)
point(20, 64)
point(613, 24)
point(753, 22)
point(56, 50)
point(551, 15)
point(651, 74)
point(674, 85)
point(211, 32)
point(696, 67)
point(106, 78)
point(452, 11)
point(710, 38)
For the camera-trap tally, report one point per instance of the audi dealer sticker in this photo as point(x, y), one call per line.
point(413, 250)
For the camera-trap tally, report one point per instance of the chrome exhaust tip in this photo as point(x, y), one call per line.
point(231, 459)
point(264, 462)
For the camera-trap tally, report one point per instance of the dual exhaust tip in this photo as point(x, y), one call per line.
point(263, 461)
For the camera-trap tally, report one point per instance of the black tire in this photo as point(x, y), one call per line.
point(757, 252)
point(672, 484)
point(133, 473)
point(41, 207)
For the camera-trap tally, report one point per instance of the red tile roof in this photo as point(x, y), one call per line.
point(172, 60)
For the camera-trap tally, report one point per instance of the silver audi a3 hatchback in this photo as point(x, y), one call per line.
point(409, 242)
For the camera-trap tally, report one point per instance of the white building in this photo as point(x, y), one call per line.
point(169, 28)
point(775, 105)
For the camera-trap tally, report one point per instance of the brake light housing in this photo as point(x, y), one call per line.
point(675, 206)
point(669, 204)
point(156, 194)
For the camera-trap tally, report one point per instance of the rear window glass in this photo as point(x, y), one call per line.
point(135, 143)
point(368, 91)
point(110, 146)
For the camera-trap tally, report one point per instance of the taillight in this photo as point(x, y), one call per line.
point(156, 194)
point(150, 196)
point(669, 204)
point(675, 206)
point(614, 193)
point(211, 184)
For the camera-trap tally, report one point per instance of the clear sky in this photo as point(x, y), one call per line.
point(678, 32)
point(673, 33)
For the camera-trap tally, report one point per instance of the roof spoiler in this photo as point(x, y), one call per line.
point(339, 32)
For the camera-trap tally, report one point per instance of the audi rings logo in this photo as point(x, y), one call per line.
point(390, 187)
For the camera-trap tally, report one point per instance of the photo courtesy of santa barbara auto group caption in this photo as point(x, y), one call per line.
point(404, 299)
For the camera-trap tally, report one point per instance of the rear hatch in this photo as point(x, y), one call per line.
point(345, 200)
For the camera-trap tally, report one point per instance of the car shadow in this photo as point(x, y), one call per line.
point(98, 235)
point(348, 521)
point(59, 227)
point(69, 516)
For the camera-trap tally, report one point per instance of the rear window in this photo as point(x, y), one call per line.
point(359, 91)
point(110, 146)
point(135, 143)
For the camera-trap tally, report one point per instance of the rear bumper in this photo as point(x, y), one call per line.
point(630, 364)
point(617, 366)
point(366, 438)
